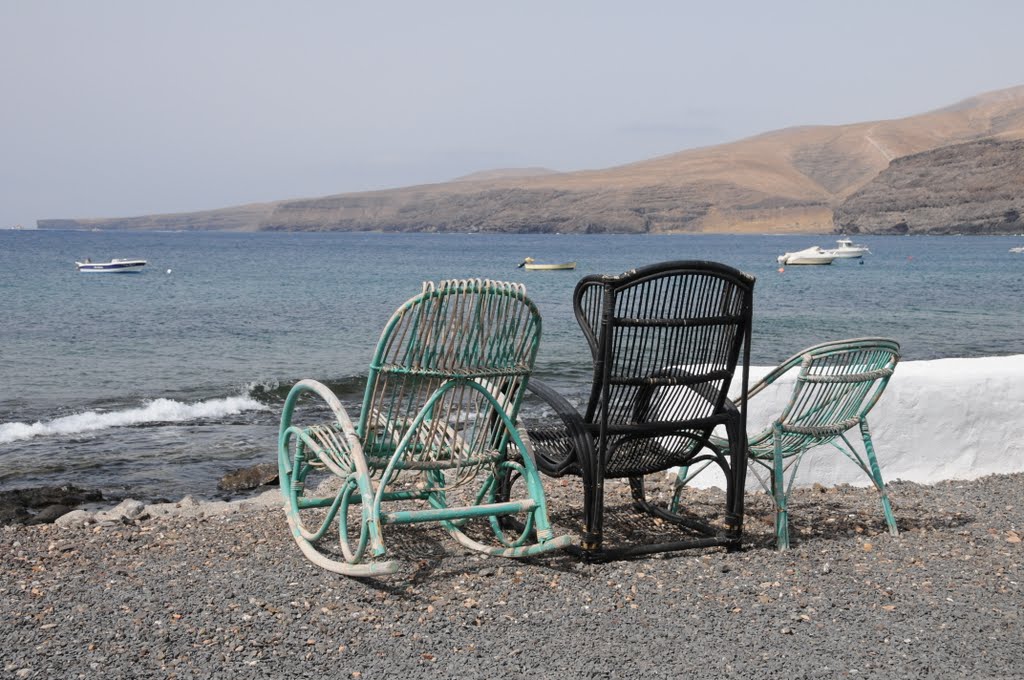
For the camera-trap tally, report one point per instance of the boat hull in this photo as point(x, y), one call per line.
point(549, 267)
point(813, 255)
point(112, 267)
point(807, 260)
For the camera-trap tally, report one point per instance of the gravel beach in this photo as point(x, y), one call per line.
point(222, 591)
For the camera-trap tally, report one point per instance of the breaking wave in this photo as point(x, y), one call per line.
point(156, 411)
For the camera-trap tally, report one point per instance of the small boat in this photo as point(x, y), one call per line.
point(117, 265)
point(1018, 249)
point(812, 255)
point(529, 263)
point(848, 248)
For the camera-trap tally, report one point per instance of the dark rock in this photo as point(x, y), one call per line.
point(13, 514)
point(244, 479)
point(49, 514)
point(16, 505)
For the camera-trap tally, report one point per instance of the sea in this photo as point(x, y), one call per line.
point(152, 385)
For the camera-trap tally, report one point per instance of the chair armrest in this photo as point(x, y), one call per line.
point(776, 373)
point(576, 431)
point(688, 381)
point(335, 452)
point(817, 350)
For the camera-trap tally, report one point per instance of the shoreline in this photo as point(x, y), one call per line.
point(131, 510)
point(970, 442)
point(175, 432)
point(230, 594)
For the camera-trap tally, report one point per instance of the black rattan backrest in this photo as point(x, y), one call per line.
point(673, 327)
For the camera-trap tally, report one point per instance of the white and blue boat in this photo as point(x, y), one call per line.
point(847, 248)
point(116, 265)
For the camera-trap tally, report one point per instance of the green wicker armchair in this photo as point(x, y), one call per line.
point(438, 416)
point(837, 384)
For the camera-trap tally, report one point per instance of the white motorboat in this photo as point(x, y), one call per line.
point(116, 265)
point(812, 255)
point(1018, 249)
point(847, 248)
point(528, 263)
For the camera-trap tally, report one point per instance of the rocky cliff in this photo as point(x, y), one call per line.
point(972, 188)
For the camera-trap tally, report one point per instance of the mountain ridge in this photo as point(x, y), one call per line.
point(789, 180)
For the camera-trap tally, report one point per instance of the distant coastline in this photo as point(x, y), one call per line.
point(956, 170)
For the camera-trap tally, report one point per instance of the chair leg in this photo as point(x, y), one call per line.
point(536, 533)
point(736, 482)
point(876, 477)
point(779, 495)
point(639, 493)
point(678, 486)
point(506, 477)
point(315, 453)
point(542, 531)
point(593, 506)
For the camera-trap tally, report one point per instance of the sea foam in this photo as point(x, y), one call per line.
point(156, 411)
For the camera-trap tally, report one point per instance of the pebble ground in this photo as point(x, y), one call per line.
point(229, 595)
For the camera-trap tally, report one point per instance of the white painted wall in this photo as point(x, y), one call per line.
point(937, 420)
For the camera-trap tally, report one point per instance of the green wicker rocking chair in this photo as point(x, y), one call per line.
point(837, 384)
point(438, 413)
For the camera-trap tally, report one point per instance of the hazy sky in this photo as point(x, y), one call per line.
point(128, 107)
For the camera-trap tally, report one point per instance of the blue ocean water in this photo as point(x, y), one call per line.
point(152, 385)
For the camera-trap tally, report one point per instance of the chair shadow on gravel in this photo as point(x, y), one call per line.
point(835, 514)
point(428, 553)
point(842, 513)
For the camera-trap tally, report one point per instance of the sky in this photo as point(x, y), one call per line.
point(113, 108)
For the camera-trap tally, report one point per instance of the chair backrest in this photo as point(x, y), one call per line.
point(447, 362)
point(666, 340)
point(837, 384)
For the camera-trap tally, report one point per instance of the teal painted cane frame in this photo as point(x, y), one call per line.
point(444, 389)
point(836, 385)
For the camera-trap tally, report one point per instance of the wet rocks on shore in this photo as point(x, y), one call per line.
point(42, 505)
point(63, 504)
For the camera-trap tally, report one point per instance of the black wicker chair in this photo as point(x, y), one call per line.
point(666, 341)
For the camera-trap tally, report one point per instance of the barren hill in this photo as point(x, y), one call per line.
point(787, 180)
